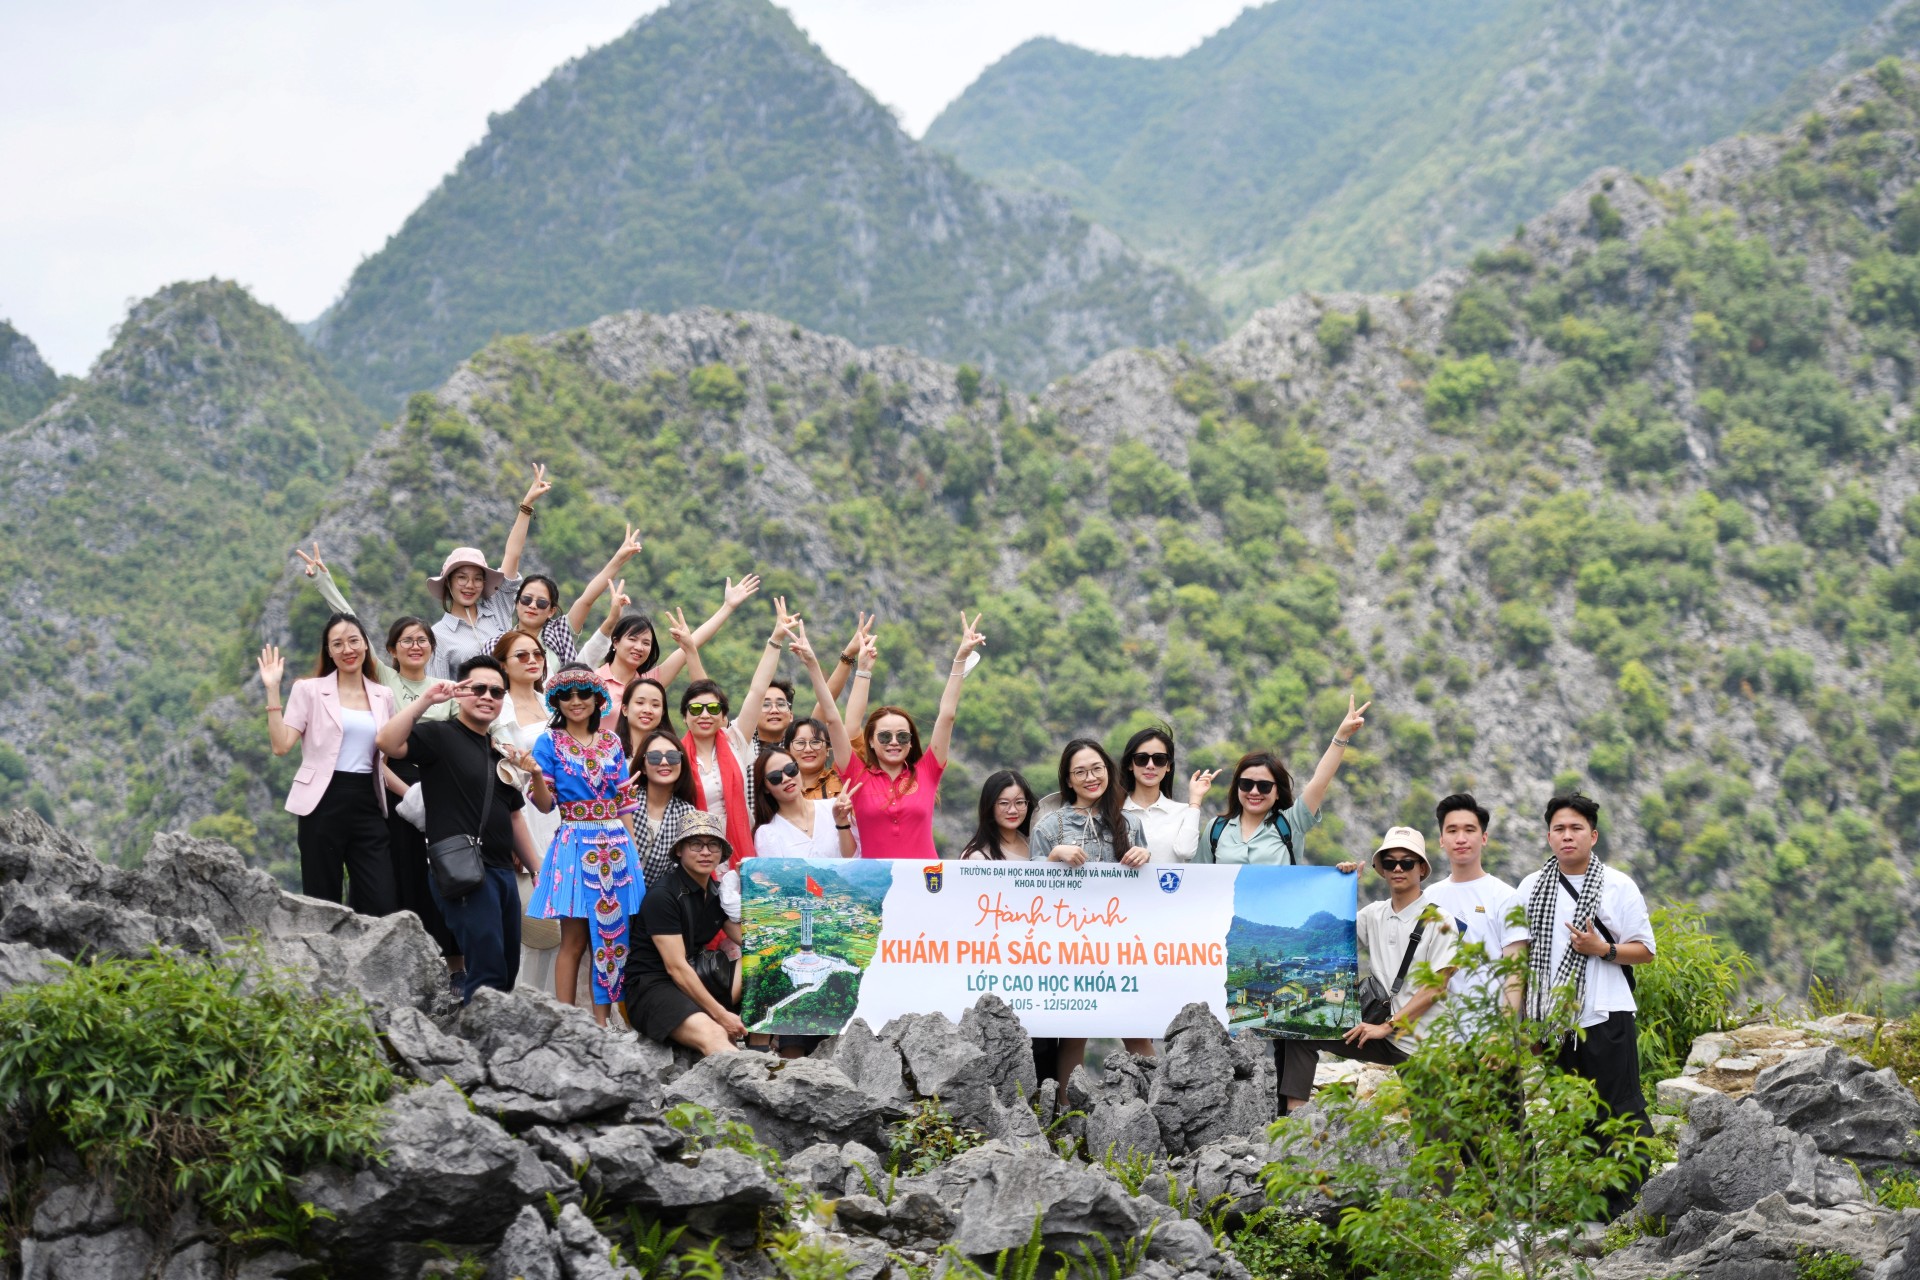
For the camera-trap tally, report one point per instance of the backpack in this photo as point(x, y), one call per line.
point(1278, 820)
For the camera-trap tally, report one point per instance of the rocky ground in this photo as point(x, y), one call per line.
point(527, 1117)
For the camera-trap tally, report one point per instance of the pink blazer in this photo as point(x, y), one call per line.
point(313, 711)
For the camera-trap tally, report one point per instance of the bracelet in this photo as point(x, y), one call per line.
point(772, 643)
point(526, 508)
point(1343, 742)
point(272, 709)
point(848, 658)
point(838, 827)
point(863, 675)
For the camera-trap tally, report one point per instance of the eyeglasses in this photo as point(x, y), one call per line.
point(775, 704)
point(415, 642)
point(701, 844)
point(806, 744)
point(1010, 804)
point(352, 642)
point(777, 776)
point(530, 655)
point(576, 695)
point(536, 602)
point(664, 757)
point(1396, 864)
point(893, 737)
point(1158, 759)
point(704, 708)
point(1256, 786)
point(495, 691)
point(1086, 771)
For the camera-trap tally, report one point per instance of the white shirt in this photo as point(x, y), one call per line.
point(708, 767)
point(1172, 829)
point(1383, 932)
point(356, 742)
point(1481, 908)
point(1624, 911)
point(781, 839)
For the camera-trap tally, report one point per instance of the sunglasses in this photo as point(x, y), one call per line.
point(495, 691)
point(530, 655)
point(576, 695)
point(536, 602)
point(893, 737)
point(1159, 759)
point(1396, 864)
point(704, 708)
point(1256, 786)
point(777, 776)
point(664, 757)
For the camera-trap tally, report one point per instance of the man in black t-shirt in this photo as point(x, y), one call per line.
point(681, 914)
point(456, 759)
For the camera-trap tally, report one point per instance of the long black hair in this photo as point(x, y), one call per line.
point(986, 833)
point(637, 622)
point(326, 665)
point(682, 785)
point(1283, 781)
point(1110, 808)
point(1160, 733)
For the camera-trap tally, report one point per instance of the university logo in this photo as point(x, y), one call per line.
point(935, 876)
point(1169, 882)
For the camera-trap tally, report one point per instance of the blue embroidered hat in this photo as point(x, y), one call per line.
point(577, 680)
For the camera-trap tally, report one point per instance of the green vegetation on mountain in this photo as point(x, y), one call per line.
point(136, 519)
point(1316, 146)
point(27, 385)
point(712, 155)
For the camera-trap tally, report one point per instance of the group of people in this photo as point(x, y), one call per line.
point(593, 811)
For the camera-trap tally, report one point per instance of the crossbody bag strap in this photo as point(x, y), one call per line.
point(1406, 959)
point(1598, 923)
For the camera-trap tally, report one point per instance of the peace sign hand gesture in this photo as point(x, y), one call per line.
point(629, 548)
point(312, 564)
point(678, 631)
point(1356, 719)
point(970, 637)
point(784, 623)
point(800, 647)
point(540, 486)
point(843, 805)
point(1199, 784)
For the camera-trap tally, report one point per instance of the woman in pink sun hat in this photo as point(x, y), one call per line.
point(478, 598)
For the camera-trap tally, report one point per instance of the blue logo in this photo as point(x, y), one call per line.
point(935, 876)
point(1169, 882)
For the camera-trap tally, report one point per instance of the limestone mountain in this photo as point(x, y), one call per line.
point(713, 155)
point(1315, 146)
point(138, 516)
point(27, 384)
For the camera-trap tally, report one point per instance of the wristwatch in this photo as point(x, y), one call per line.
point(1613, 953)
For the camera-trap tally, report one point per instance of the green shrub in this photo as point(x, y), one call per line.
point(1605, 220)
point(1272, 1245)
point(1525, 630)
point(1336, 332)
point(966, 380)
point(183, 1076)
point(1688, 990)
point(1458, 388)
point(928, 1139)
point(717, 387)
point(1826, 1265)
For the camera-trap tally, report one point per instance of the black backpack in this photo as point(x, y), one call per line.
point(1278, 820)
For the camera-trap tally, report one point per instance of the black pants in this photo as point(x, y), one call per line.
point(486, 925)
point(346, 835)
point(410, 879)
point(1298, 1058)
point(1609, 1055)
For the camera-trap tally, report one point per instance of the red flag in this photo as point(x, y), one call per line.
point(815, 889)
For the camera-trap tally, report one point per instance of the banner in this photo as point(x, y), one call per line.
point(1099, 950)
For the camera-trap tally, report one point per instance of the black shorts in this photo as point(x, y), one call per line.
point(657, 1008)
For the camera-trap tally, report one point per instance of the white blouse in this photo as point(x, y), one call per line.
point(781, 839)
point(1172, 828)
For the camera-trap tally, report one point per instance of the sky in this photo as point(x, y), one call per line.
point(279, 143)
point(1290, 899)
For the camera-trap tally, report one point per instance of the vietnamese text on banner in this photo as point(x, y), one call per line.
point(1099, 950)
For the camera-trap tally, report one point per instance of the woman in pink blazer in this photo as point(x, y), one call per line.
point(340, 792)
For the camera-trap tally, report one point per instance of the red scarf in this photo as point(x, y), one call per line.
point(733, 790)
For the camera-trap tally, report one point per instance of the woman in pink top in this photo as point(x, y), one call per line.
point(893, 811)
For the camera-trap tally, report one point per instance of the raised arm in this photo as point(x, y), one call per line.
point(842, 670)
point(970, 639)
point(517, 536)
point(577, 616)
point(316, 569)
point(282, 736)
point(685, 655)
point(747, 723)
point(1315, 792)
point(862, 682)
point(827, 710)
point(393, 735)
point(734, 597)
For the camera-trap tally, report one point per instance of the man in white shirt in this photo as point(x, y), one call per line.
point(1386, 933)
point(1483, 904)
point(1588, 924)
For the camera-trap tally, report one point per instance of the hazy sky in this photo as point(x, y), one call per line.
point(278, 143)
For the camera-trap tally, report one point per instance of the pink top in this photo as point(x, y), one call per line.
point(313, 711)
point(892, 824)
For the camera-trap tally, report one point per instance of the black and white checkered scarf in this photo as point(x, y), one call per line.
point(1543, 978)
point(655, 844)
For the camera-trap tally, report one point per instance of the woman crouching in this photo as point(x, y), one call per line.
point(678, 989)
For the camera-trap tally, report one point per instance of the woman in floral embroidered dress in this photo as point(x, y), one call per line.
point(590, 879)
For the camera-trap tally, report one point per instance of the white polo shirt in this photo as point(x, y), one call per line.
point(1624, 911)
point(1383, 932)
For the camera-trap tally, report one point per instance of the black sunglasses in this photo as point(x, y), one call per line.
point(664, 757)
point(1141, 759)
point(1396, 864)
point(487, 690)
point(893, 737)
point(777, 776)
point(575, 695)
point(1258, 786)
point(536, 602)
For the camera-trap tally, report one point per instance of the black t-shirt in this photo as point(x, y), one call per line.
point(453, 760)
point(673, 905)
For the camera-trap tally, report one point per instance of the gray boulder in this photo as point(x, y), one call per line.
point(445, 1174)
point(528, 1250)
point(551, 1063)
point(1851, 1111)
point(993, 1191)
point(23, 964)
point(790, 1103)
point(1771, 1241)
point(1230, 1168)
point(584, 1253)
point(939, 1061)
point(871, 1063)
point(1207, 1087)
point(995, 1029)
point(431, 1054)
point(1733, 1155)
point(630, 1165)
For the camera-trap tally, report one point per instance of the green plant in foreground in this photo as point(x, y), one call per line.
point(1687, 991)
point(650, 1244)
point(1022, 1263)
point(1109, 1264)
point(1130, 1170)
point(1630, 1228)
point(1826, 1265)
point(1274, 1245)
point(928, 1139)
point(177, 1075)
point(1898, 1191)
point(799, 1258)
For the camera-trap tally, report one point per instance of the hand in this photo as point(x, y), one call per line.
point(678, 631)
point(800, 648)
point(861, 634)
point(1136, 857)
point(843, 805)
point(539, 487)
point(731, 1024)
point(1368, 1031)
point(970, 637)
point(868, 655)
point(784, 623)
point(313, 564)
point(739, 595)
point(619, 600)
point(272, 667)
point(1346, 868)
point(629, 548)
point(1356, 719)
point(1588, 941)
point(1071, 854)
point(1199, 784)
point(518, 757)
point(441, 691)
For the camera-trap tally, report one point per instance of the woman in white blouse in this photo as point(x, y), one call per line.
point(787, 824)
point(1146, 775)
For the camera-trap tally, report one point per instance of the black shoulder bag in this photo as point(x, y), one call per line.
point(1376, 1002)
point(456, 861)
point(1599, 924)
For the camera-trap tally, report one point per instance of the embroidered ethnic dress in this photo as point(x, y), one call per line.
point(591, 871)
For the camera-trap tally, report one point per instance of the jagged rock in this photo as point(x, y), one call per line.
point(1230, 1168)
point(584, 1252)
point(1203, 1090)
point(820, 1169)
point(1310, 1130)
point(994, 1190)
point(430, 1053)
point(550, 1063)
point(1733, 1155)
point(862, 1212)
point(920, 1216)
point(23, 964)
point(863, 1164)
point(941, 1062)
point(1851, 1111)
point(994, 1028)
point(720, 1178)
point(528, 1251)
point(791, 1104)
point(1770, 1241)
point(1682, 1091)
point(871, 1063)
point(1123, 1127)
point(445, 1174)
point(79, 1231)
